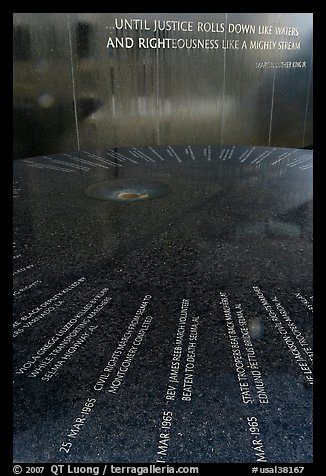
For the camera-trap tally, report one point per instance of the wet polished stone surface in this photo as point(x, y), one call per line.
point(172, 329)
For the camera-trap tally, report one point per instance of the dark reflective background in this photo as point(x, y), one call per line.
point(71, 92)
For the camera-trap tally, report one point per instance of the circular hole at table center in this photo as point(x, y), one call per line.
point(126, 190)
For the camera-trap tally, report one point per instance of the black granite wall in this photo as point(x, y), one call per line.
point(75, 87)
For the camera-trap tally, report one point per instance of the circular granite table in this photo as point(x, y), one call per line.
point(163, 305)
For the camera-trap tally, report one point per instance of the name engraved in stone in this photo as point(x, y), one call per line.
point(236, 352)
point(294, 328)
point(177, 350)
point(25, 268)
point(114, 358)
point(173, 382)
point(304, 301)
point(69, 339)
point(36, 314)
point(112, 362)
point(26, 288)
point(188, 379)
point(251, 356)
point(287, 339)
point(67, 355)
point(124, 367)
